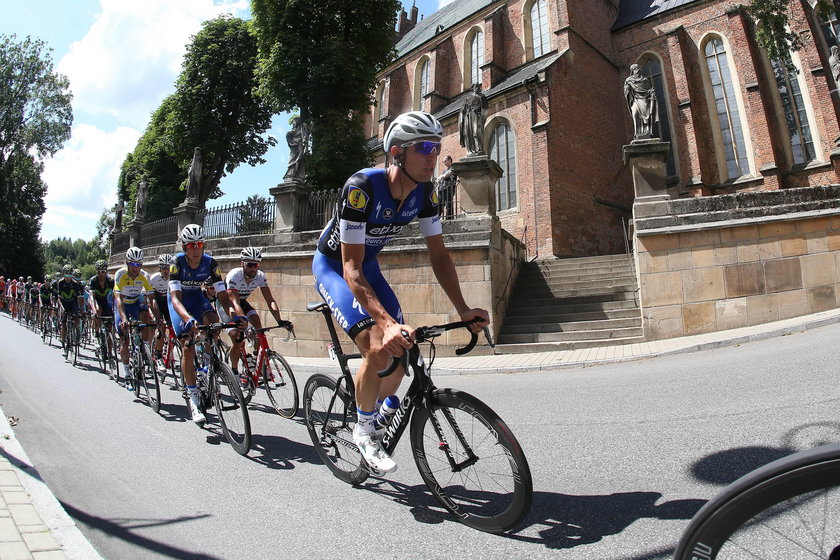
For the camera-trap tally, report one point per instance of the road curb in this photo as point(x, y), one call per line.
point(74, 544)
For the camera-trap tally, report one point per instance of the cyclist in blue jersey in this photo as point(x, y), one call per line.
point(188, 306)
point(376, 205)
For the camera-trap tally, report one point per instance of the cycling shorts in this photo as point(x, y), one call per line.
point(163, 307)
point(105, 309)
point(132, 311)
point(70, 306)
point(197, 306)
point(330, 283)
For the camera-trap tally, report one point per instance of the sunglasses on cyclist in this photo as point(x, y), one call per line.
point(135, 265)
point(194, 245)
point(252, 264)
point(423, 147)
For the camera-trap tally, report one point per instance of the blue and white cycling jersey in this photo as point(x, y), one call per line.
point(367, 214)
point(188, 281)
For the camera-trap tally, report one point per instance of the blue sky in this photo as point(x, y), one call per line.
point(122, 58)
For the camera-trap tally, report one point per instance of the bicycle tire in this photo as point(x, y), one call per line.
point(331, 428)
point(280, 384)
point(787, 509)
point(75, 345)
point(231, 409)
point(149, 376)
point(175, 366)
point(491, 491)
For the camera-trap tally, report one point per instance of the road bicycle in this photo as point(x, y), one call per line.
point(219, 387)
point(72, 337)
point(788, 509)
point(142, 365)
point(107, 347)
point(49, 324)
point(271, 370)
point(466, 454)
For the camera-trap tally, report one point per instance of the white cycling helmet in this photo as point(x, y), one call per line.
point(192, 233)
point(414, 125)
point(251, 254)
point(134, 255)
point(166, 260)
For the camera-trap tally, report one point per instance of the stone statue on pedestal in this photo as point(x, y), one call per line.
point(194, 177)
point(641, 102)
point(118, 216)
point(471, 120)
point(834, 63)
point(142, 200)
point(298, 140)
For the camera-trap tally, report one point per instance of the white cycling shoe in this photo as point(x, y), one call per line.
point(372, 452)
point(197, 416)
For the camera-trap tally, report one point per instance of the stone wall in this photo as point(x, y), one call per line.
point(723, 262)
point(486, 257)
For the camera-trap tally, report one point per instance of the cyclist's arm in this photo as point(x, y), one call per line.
point(272, 305)
point(178, 305)
point(227, 304)
point(119, 306)
point(235, 304)
point(447, 276)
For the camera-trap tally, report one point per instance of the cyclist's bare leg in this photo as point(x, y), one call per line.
point(369, 386)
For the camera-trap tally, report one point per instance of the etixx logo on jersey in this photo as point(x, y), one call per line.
point(357, 198)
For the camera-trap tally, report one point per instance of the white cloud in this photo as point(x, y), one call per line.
point(130, 57)
point(82, 177)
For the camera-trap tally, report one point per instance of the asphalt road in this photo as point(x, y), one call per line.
point(622, 456)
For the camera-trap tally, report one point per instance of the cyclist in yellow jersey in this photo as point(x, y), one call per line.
point(131, 284)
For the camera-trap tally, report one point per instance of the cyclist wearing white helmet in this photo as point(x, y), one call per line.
point(160, 282)
point(240, 283)
point(375, 205)
point(132, 301)
point(188, 306)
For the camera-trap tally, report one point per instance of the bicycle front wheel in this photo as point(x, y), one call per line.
point(150, 379)
point(787, 509)
point(231, 408)
point(280, 384)
point(330, 418)
point(471, 461)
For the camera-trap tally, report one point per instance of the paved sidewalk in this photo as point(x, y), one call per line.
point(542, 361)
point(33, 525)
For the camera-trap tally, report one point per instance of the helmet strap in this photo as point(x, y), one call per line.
point(401, 166)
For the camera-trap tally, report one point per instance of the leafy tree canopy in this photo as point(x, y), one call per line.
point(35, 121)
point(322, 58)
point(773, 32)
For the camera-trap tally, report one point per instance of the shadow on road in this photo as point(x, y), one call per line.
point(123, 529)
point(568, 521)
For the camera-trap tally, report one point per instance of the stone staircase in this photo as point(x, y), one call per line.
point(566, 304)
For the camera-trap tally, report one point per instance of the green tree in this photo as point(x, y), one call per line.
point(254, 216)
point(773, 32)
point(321, 59)
point(35, 121)
point(215, 107)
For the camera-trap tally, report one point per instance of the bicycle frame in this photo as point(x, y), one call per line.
point(418, 394)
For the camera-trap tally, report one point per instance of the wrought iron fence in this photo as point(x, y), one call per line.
point(159, 232)
point(244, 218)
point(317, 210)
point(120, 243)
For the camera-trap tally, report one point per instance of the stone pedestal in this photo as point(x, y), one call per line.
point(186, 213)
point(290, 198)
point(135, 228)
point(647, 161)
point(477, 176)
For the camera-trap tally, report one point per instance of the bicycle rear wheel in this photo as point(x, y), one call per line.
point(231, 408)
point(175, 363)
point(280, 384)
point(788, 509)
point(330, 418)
point(486, 482)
